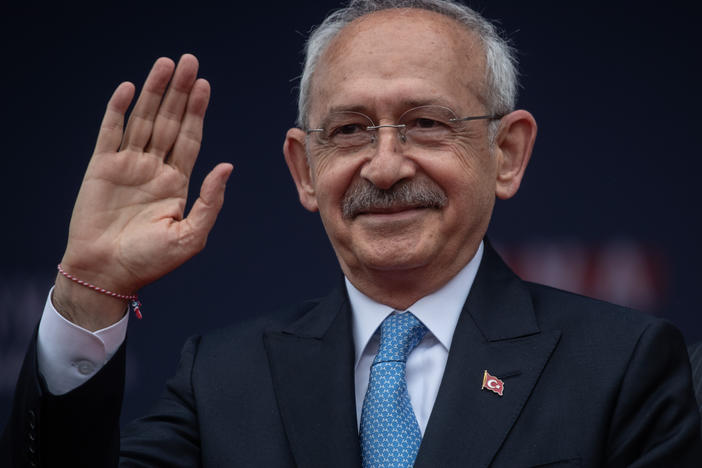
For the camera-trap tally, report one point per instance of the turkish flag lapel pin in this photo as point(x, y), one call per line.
point(492, 383)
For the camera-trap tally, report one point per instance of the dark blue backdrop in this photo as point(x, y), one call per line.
point(615, 89)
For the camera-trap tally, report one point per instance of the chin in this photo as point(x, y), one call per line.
point(392, 260)
point(381, 250)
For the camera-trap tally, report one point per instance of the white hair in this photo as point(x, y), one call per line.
point(500, 62)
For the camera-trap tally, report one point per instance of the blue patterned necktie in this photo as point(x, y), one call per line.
point(390, 435)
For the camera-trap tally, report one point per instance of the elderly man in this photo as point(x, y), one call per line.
point(431, 352)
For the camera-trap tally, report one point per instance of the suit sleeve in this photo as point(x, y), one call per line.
point(79, 428)
point(656, 421)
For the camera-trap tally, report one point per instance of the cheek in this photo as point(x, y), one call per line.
point(463, 166)
point(332, 176)
point(468, 175)
point(474, 156)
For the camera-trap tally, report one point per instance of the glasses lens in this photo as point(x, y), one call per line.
point(347, 130)
point(429, 125)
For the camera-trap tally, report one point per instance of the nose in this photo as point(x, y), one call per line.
point(388, 164)
point(400, 129)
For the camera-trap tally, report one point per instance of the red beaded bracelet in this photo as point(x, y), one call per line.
point(133, 300)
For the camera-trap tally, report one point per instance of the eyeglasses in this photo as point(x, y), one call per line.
point(429, 125)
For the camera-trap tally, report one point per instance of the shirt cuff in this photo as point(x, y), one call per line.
point(69, 355)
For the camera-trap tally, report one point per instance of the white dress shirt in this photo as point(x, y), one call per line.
point(439, 312)
point(69, 355)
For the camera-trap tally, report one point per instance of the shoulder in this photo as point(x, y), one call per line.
point(556, 308)
point(580, 321)
point(609, 340)
point(267, 321)
point(240, 345)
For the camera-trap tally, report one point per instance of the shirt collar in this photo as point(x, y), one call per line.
point(439, 311)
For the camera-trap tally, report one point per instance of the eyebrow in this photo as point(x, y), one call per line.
point(404, 104)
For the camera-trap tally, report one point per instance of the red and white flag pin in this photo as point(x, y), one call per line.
point(492, 383)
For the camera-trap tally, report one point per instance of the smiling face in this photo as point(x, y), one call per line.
point(382, 65)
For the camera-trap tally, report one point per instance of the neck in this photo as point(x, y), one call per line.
point(400, 289)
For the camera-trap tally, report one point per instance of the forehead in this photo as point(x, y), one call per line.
point(383, 60)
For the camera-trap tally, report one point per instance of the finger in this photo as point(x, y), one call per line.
point(110, 134)
point(204, 212)
point(141, 121)
point(170, 114)
point(189, 138)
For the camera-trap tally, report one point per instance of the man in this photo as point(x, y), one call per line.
point(430, 353)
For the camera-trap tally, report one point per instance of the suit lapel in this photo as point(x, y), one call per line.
point(497, 332)
point(312, 366)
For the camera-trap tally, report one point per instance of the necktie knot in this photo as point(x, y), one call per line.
point(399, 334)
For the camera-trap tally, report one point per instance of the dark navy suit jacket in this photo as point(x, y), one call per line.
point(586, 384)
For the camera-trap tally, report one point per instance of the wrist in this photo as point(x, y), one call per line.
point(85, 307)
point(103, 272)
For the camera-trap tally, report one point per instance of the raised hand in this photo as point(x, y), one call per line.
point(128, 226)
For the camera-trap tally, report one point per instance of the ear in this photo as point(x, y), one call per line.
point(296, 157)
point(513, 144)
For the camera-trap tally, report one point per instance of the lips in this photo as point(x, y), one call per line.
point(390, 209)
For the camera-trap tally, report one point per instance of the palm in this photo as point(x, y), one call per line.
point(128, 226)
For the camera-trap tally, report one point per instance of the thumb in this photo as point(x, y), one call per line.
point(204, 212)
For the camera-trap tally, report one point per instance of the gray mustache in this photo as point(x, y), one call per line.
point(364, 196)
